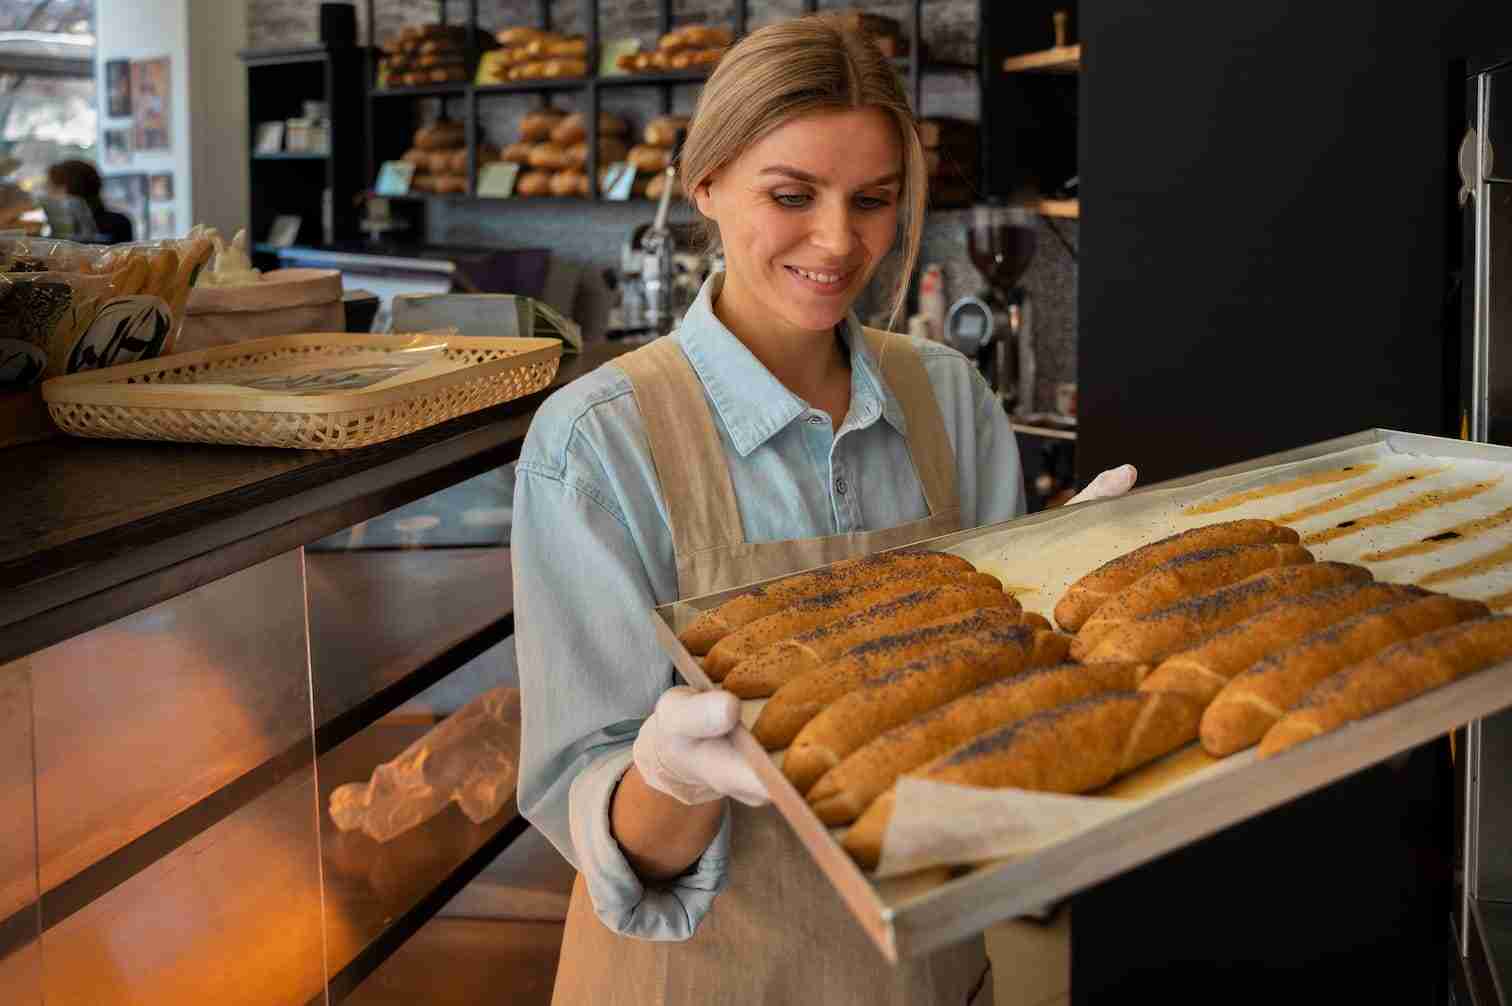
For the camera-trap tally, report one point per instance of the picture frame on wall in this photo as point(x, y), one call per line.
point(118, 88)
point(127, 193)
point(163, 223)
point(270, 138)
point(117, 146)
point(160, 187)
point(152, 103)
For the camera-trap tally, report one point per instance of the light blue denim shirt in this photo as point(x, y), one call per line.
point(592, 555)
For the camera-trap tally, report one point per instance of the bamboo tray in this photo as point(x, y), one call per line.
point(1187, 795)
point(241, 393)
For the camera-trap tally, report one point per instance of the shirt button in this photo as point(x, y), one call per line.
point(815, 419)
point(840, 486)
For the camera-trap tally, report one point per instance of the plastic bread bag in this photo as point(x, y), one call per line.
point(472, 758)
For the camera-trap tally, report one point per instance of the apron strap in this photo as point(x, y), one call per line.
point(928, 443)
point(685, 448)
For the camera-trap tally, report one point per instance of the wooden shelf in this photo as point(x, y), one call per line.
point(1062, 59)
point(1067, 208)
point(1049, 432)
point(533, 85)
point(290, 157)
point(665, 77)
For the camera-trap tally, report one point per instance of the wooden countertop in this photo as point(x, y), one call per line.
point(91, 530)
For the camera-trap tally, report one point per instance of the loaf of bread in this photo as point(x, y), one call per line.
point(816, 611)
point(574, 128)
point(649, 159)
point(576, 46)
point(691, 58)
point(1151, 639)
point(567, 182)
point(451, 184)
point(768, 598)
point(419, 158)
point(1072, 749)
point(537, 126)
point(610, 149)
point(1203, 670)
point(846, 790)
point(891, 700)
point(519, 36)
point(662, 130)
point(443, 135)
point(803, 698)
point(536, 46)
point(1087, 594)
point(518, 153)
point(1184, 576)
point(549, 157)
point(533, 183)
point(762, 674)
point(1391, 677)
point(1256, 698)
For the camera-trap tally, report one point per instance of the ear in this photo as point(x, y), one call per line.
point(703, 199)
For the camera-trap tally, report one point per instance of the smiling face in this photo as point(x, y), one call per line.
point(806, 214)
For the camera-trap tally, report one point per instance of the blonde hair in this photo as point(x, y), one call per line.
point(802, 67)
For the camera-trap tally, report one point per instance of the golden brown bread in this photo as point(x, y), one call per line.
point(549, 157)
point(537, 126)
point(1072, 749)
point(1035, 620)
point(801, 699)
point(649, 159)
point(533, 183)
point(518, 153)
point(761, 674)
point(574, 128)
point(1154, 637)
point(814, 612)
point(1256, 698)
point(1184, 576)
point(662, 130)
point(1391, 677)
point(843, 792)
point(1087, 594)
point(1203, 670)
point(610, 149)
point(767, 598)
point(568, 183)
point(891, 700)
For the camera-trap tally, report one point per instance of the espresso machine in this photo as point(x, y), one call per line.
point(994, 326)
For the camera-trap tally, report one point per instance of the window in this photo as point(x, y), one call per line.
point(47, 86)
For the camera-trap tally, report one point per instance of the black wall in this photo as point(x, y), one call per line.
point(1268, 223)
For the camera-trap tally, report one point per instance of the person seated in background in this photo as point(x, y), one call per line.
point(76, 185)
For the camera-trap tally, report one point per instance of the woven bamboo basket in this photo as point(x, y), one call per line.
point(189, 397)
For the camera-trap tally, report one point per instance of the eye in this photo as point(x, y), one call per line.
point(872, 202)
point(792, 200)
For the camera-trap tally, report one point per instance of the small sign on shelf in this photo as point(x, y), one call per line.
point(394, 178)
point(496, 180)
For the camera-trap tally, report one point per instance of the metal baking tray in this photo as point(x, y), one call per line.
point(906, 919)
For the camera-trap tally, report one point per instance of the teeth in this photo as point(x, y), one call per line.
point(818, 277)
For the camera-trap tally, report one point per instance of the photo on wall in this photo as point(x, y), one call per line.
point(128, 194)
point(118, 88)
point(152, 103)
point(160, 187)
point(163, 223)
point(117, 146)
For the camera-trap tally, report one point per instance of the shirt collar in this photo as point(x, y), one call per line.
point(752, 404)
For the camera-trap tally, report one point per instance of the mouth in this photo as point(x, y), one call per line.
point(823, 281)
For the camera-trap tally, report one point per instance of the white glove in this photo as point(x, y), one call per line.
point(1113, 482)
point(685, 751)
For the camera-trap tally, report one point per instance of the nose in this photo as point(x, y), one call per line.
point(834, 230)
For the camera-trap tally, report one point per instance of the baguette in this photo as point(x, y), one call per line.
point(1087, 594)
point(1185, 576)
point(549, 157)
point(662, 130)
point(892, 700)
point(760, 675)
point(537, 126)
point(649, 159)
point(1072, 749)
point(1151, 639)
point(1391, 677)
point(1202, 671)
point(816, 611)
point(764, 599)
point(843, 792)
point(803, 698)
point(1251, 704)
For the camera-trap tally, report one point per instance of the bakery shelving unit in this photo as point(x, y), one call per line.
point(212, 860)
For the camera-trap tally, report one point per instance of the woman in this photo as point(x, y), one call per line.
point(91, 220)
point(771, 433)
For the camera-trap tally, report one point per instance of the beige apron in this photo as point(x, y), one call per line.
point(778, 934)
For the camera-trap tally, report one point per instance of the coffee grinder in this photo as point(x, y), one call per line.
point(993, 326)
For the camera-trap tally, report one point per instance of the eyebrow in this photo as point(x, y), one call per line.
point(804, 176)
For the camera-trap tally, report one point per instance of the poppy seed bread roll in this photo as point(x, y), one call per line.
point(768, 598)
point(1391, 677)
point(1087, 594)
point(846, 790)
point(1204, 670)
point(1151, 639)
point(1257, 697)
point(1184, 576)
point(762, 674)
point(1072, 749)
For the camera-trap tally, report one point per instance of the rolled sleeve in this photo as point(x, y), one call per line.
point(1000, 471)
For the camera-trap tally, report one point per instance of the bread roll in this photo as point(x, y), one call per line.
point(1154, 637)
point(577, 46)
point(892, 700)
point(649, 159)
point(518, 36)
point(518, 153)
point(704, 36)
point(1391, 677)
point(557, 67)
point(1182, 577)
point(574, 128)
point(816, 611)
point(1087, 594)
point(537, 126)
point(549, 157)
point(843, 792)
point(702, 57)
point(662, 130)
point(537, 46)
point(451, 184)
point(1255, 699)
point(611, 149)
point(774, 595)
point(1073, 749)
point(419, 158)
point(801, 699)
point(533, 183)
point(1035, 620)
point(565, 183)
point(671, 41)
point(1202, 671)
point(763, 673)
point(438, 162)
point(625, 61)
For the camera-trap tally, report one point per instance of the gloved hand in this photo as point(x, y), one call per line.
point(685, 751)
point(1113, 482)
